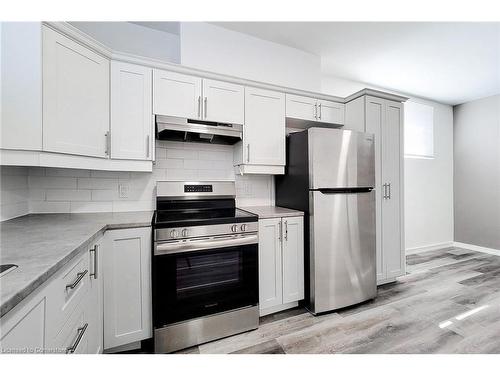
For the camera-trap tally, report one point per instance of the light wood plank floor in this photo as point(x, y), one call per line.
point(449, 302)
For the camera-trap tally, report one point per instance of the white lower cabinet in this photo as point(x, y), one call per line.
point(127, 286)
point(281, 263)
point(78, 310)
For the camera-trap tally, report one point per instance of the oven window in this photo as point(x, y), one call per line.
point(200, 283)
point(197, 274)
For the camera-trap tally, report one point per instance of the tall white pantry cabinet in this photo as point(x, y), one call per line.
point(384, 119)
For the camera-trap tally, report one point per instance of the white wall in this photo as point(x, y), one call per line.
point(14, 198)
point(428, 182)
point(209, 47)
point(135, 39)
point(477, 172)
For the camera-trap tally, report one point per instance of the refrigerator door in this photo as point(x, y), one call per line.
point(340, 158)
point(342, 249)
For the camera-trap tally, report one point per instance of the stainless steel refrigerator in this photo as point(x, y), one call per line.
point(330, 175)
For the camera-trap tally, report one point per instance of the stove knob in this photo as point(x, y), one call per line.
point(234, 228)
point(184, 233)
point(174, 233)
point(243, 227)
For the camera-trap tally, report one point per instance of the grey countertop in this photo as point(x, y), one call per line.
point(41, 244)
point(267, 212)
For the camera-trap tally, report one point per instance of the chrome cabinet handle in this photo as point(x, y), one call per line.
point(389, 194)
point(80, 276)
point(320, 111)
point(96, 265)
point(316, 111)
point(107, 136)
point(385, 190)
point(286, 230)
point(81, 331)
point(280, 232)
point(148, 146)
point(199, 106)
point(205, 111)
point(248, 153)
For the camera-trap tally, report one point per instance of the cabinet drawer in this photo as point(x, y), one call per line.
point(73, 336)
point(67, 291)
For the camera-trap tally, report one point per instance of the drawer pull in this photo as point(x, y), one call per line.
point(81, 332)
point(94, 252)
point(80, 275)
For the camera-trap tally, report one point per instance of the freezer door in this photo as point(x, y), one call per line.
point(342, 249)
point(340, 158)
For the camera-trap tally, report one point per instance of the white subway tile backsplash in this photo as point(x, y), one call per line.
point(109, 174)
point(81, 207)
point(67, 195)
point(49, 207)
point(66, 172)
point(181, 154)
point(104, 195)
point(43, 190)
point(46, 182)
point(170, 163)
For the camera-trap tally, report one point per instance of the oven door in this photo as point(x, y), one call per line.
point(200, 277)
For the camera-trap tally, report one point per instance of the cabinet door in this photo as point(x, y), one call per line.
point(293, 259)
point(95, 305)
point(375, 117)
point(131, 111)
point(127, 286)
point(264, 130)
point(270, 266)
point(223, 102)
point(21, 85)
point(331, 112)
point(177, 95)
point(391, 206)
point(301, 107)
point(75, 97)
point(23, 331)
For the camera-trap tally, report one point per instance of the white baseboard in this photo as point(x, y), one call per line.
point(481, 249)
point(421, 249)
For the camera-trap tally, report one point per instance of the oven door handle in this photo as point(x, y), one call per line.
point(183, 246)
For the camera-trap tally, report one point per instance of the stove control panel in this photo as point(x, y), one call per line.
point(198, 188)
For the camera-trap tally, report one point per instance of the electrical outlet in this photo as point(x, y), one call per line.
point(123, 190)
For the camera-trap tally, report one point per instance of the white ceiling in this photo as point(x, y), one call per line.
point(448, 62)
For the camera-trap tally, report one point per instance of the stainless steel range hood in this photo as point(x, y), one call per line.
point(186, 130)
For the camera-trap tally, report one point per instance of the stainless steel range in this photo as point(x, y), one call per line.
point(205, 265)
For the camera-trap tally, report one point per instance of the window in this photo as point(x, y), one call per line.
point(419, 130)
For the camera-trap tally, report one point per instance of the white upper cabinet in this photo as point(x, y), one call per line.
point(264, 130)
point(301, 107)
point(131, 111)
point(75, 97)
point(177, 95)
point(317, 110)
point(191, 97)
point(21, 86)
point(223, 102)
point(330, 112)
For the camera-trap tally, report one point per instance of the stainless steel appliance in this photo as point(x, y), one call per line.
point(330, 174)
point(205, 265)
point(188, 130)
